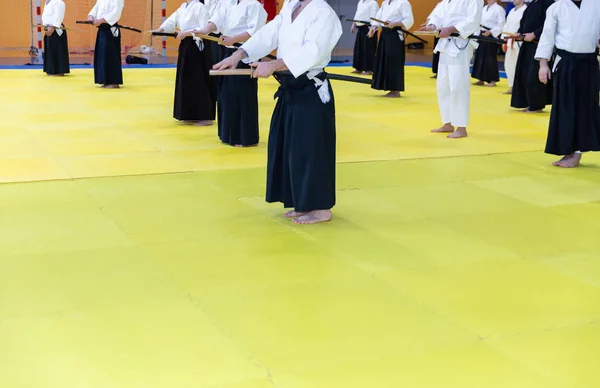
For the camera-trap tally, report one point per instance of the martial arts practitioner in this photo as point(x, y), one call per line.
point(56, 47)
point(364, 46)
point(436, 55)
point(302, 138)
point(237, 96)
point(388, 73)
point(217, 51)
point(108, 70)
point(529, 94)
point(453, 81)
point(193, 101)
point(513, 22)
point(572, 27)
point(485, 64)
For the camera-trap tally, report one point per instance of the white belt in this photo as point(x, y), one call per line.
point(322, 86)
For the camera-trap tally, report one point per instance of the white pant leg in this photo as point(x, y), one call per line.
point(510, 63)
point(454, 87)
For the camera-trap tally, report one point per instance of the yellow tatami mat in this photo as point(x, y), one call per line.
point(137, 252)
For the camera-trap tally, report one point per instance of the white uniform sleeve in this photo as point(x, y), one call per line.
point(499, 22)
point(435, 17)
point(319, 41)
point(219, 17)
point(94, 11)
point(170, 24)
point(472, 21)
point(373, 9)
point(256, 18)
point(547, 40)
point(202, 15)
point(406, 15)
point(263, 41)
point(357, 9)
point(116, 9)
point(379, 16)
point(59, 14)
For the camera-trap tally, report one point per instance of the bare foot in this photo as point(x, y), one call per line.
point(203, 123)
point(460, 132)
point(566, 157)
point(245, 146)
point(491, 84)
point(367, 73)
point(526, 110)
point(478, 83)
point(356, 72)
point(392, 94)
point(571, 162)
point(434, 76)
point(111, 86)
point(314, 217)
point(509, 91)
point(293, 214)
point(444, 128)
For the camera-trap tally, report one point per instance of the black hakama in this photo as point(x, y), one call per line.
point(575, 117)
point(237, 107)
point(56, 54)
point(301, 150)
point(436, 57)
point(389, 62)
point(485, 63)
point(193, 100)
point(364, 50)
point(528, 91)
point(217, 51)
point(107, 57)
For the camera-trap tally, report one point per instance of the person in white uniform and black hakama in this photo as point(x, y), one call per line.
point(485, 64)
point(56, 46)
point(513, 22)
point(302, 138)
point(364, 46)
point(388, 73)
point(108, 70)
point(572, 27)
point(217, 51)
point(453, 80)
point(193, 100)
point(237, 96)
point(529, 94)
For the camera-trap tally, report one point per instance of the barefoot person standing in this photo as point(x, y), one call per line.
point(364, 46)
point(453, 81)
point(513, 22)
point(529, 94)
point(56, 47)
point(573, 28)
point(302, 138)
point(108, 70)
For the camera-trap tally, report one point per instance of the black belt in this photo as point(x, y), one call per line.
point(576, 56)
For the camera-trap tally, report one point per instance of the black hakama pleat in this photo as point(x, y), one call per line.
point(575, 117)
point(217, 51)
point(237, 108)
point(436, 57)
point(107, 57)
point(56, 54)
point(364, 50)
point(302, 147)
point(388, 73)
point(193, 101)
point(485, 63)
point(528, 91)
